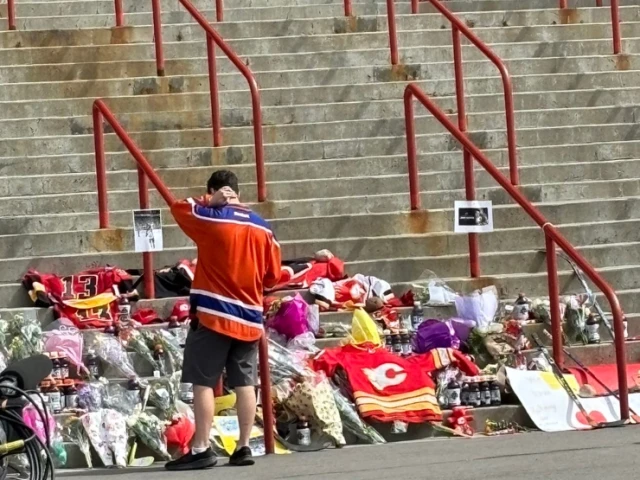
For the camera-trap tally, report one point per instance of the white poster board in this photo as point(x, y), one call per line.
point(147, 230)
point(473, 216)
point(552, 410)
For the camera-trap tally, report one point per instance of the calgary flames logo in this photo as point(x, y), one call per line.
point(385, 375)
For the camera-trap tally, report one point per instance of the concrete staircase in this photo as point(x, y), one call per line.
point(334, 133)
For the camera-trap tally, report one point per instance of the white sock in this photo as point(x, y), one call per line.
point(197, 450)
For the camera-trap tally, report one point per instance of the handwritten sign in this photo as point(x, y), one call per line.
point(550, 407)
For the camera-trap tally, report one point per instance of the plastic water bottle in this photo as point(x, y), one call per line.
point(417, 315)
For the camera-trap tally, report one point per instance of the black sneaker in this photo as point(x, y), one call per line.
point(206, 459)
point(241, 458)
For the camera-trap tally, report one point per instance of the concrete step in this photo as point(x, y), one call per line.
point(291, 199)
point(310, 10)
point(317, 140)
point(269, 79)
point(330, 51)
point(341, 120)
point(202, 159)
point(506, 11)
point(189, 30)
point(352, 225)
point(389, 181)
point(144, 88)
point(16, 253)
point(142, 104)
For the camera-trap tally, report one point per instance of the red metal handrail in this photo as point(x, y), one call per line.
point(213, 39)
point(553, 237)
point(615, 22)
point(102, 112)
point(457, 27)
point(11, 15)
point(391, 22)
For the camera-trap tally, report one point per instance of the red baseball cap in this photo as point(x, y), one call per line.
point(146, 316)
point(180, 310)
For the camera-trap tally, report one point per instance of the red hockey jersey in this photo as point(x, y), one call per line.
point(88, 298)
point(387, 387)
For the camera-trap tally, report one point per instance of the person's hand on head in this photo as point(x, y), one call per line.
point(221, 197)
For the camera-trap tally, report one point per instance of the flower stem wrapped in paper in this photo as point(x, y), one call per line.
point(73, 431)
point(110, 351)
point(150, 430)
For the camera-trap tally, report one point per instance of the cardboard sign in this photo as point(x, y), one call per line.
point(473, 217)
point(147, 230)
point(552, 410)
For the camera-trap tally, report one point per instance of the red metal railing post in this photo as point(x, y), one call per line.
point(469, 180)
point(347, 8)
point(119, 13)
point(562, 4)
point(554, 296)
point(393, 36)
point(157, 36)
point(219, 11)
point(11, 15)
point(550, 232)
point(615, 27)
point(213, 89)
point(415, 6)
point(598, 3)
point(412, 157)
point(147, 257)
point(101, 169)
point(267, 404)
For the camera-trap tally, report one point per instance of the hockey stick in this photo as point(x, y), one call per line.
point(572, 395)
point(600, 382)
point(592, 298)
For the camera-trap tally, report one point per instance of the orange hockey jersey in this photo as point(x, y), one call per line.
point(238, 257)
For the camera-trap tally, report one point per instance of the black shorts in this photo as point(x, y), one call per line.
point(208, 353)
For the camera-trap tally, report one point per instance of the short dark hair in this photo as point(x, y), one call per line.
point(223, 178)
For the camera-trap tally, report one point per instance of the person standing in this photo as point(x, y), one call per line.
point(238, 257)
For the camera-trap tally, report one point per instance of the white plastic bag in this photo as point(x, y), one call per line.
point(480, 306)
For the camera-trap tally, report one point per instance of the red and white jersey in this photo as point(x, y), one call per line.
point(87, 298)
point(387, 387)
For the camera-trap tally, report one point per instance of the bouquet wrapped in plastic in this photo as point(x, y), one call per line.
point(430, 290)
point(74, 431)
point(111, 351)
point(297, 388)
point(67, 341)
point(116, 397)
point(171, 345)
point(91, 396)
point(150, 430)
point(107, 432)
point(285, 364)
point(4, 344)
point(133, 338)
point(26, 337)
point(163, 395)
point(352, 422)
point(576, 314)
